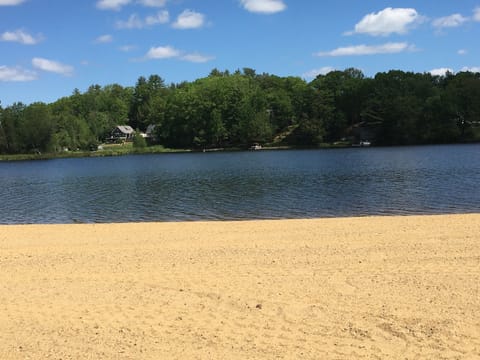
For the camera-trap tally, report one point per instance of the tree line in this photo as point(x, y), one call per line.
point(240, 108)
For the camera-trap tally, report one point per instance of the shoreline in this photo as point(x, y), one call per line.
point(205, 221)
point(155, 150)
point(386, 287)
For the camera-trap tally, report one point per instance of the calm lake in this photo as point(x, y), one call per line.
point(243, 185)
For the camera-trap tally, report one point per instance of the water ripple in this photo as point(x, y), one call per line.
point(249, 185)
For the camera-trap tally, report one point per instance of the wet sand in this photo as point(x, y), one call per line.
point(349, 288)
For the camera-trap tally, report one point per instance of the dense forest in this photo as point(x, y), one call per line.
point(237, 109)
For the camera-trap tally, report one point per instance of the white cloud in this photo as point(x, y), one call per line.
point(112, 4)
point(153, 3)
point(197, 58)
point(388, 21)
point(169, 52)
point(315, 72)
point(118, 4)
point(476, 14)
point(163, 52)
point(16, 74)
point(162, 17)
point(21, 37)
point(104, 39)
point(440, 71)
point(462, 52)
point(52, 66)
point(10, 2)
point(474, 69)
point(189, 19)
point(135, 22)
point(388, 48)
point(264, 6)
point(127, 48)
point(450, 21)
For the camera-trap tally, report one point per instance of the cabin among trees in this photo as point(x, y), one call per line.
point(122, 133)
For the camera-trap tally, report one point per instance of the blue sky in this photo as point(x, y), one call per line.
point(50, 47)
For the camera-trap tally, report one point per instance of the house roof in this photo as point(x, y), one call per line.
point(126, 129)
point(150, 129)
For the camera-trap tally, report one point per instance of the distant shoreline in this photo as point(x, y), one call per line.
point(145, 151)
point(161, 150)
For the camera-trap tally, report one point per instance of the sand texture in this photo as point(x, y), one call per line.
point(352, 288)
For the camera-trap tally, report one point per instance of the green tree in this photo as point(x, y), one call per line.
point(236, 109)
point(139, 141)
point(12, 126)
point(37, 127)
point(345, 93)
point(463, 101)
point(148, 102)
point(73, 133)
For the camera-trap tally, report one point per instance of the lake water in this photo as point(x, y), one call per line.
point(243, 185)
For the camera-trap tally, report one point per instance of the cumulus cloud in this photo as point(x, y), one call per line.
point(441, 71)
point(52, 66)
point(450, 21)
point(16, 74)
point(21, 37)
point(162, 17)
point(264, 6)
point(104, 39)
point(388, 21)
point(11, 2)
point(117, 5)
point(388, 48)
point(162, 52)
point(474, 69)
point(136, 22)
point(169, 52)
point(153, 3)
point(476, 14)
point(315, 72)
point(197, 58)
point(133, 22)
point(112, 4)
point(189, 19)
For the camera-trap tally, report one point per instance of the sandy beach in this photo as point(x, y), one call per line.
point(349, 288)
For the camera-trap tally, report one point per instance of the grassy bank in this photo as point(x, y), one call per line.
point(128, 149)
point(106, 150)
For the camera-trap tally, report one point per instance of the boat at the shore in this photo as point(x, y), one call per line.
point(363, 143)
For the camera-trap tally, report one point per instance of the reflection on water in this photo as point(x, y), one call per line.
point(243, 185)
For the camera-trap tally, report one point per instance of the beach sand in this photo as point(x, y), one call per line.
point(348, 288)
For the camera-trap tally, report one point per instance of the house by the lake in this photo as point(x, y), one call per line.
point(122, 133)
point(150, 134)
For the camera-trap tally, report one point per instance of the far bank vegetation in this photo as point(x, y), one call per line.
point(238, 109)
